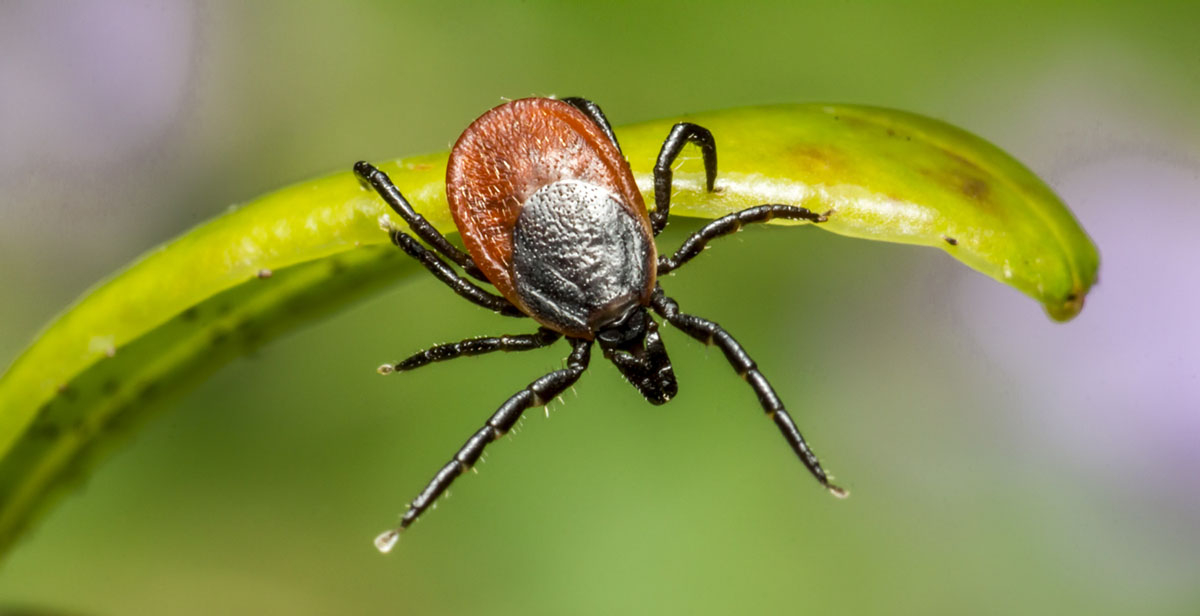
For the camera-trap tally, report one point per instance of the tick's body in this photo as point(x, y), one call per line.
point(551, 217)
point(550, 213)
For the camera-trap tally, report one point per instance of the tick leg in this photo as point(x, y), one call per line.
point(732, 223)
point(592, 110)
point(383, 185)
point(446, 274)
point(475, 346)
point(710, 333)
point(679, 136)
point(537, 393)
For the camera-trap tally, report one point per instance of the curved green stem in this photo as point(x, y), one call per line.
point(185, 308)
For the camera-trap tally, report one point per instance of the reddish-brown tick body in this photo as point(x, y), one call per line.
point(547, 153)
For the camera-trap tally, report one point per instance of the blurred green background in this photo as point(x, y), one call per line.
point(998, 463)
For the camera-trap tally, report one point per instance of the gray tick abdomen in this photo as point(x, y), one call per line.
point(580, 259)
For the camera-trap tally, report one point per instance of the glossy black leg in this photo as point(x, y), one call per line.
point(475, 346)
point(448, 275)
point(537, 393)
point(732, 223)
point(710, 333)
point(592, 110)
point(681, 134)
point(383, 185)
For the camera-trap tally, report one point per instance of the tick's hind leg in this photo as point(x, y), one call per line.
point(475, 346)
point(681, 134)
point(710, 333)
point(733, 223)
point(536, 393)
point(383, 185)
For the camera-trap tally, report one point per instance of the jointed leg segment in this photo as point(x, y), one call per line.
point(537, 393)
point(432, 262)
point(593, 111)
point(709, 332)
point(732, 223)
point(475, 346)
point(681, 134)
point(446, 274)
point(383, 185)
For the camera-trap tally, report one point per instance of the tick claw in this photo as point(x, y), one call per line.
point(387, 540)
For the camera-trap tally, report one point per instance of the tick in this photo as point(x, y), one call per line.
point(552, 219)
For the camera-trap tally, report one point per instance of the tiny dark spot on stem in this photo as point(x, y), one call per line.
point(249, 332)
point(191, 314)
point(975, 188)
point(950, 240)
point(1072, 297)
point(148, 390)
point(820, 158)
point(119, 420)
point(264, 273)
point(891, 133)
point(218, 337)
point(48, 431)
point(68, 393)
point(43, 426)
point(964, 182)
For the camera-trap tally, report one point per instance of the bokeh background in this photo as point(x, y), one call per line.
point(999, 463)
